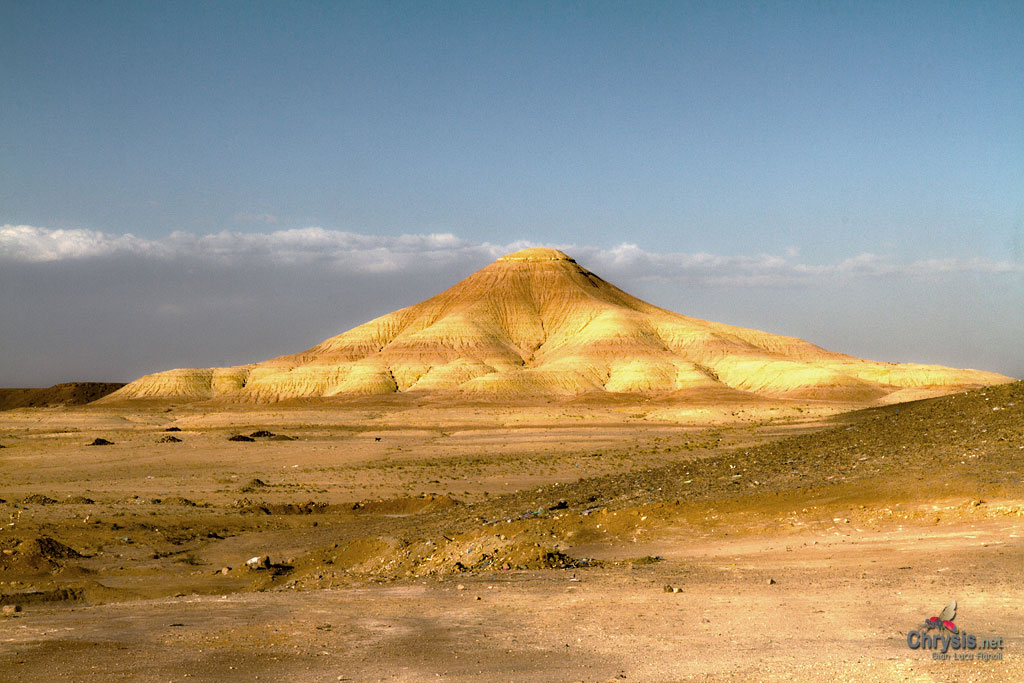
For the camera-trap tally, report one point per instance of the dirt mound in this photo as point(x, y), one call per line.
point(35, 555)
point(387, 558)
point(46, 547)
point(504, 556)
point(391, 507)
point(38, 499)
point(34, 597)
point(307, 508)
point(70, 394)
point(377, 556)
point(362, 551)
point(178, 500)
point(406, 505)
point(254, 484)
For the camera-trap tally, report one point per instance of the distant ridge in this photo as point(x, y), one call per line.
point(69, 394)
point(536, 323)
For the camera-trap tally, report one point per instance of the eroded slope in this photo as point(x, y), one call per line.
point(536, 323)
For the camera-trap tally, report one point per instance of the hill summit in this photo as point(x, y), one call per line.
point(535, 322)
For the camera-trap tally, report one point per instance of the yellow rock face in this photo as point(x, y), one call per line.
point(536, 323)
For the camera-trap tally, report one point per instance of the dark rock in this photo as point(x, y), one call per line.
point(38, 499)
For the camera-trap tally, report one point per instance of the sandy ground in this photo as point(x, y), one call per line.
point(553, 543)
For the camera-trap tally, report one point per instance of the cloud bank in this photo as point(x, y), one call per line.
point(348, 252)
point(87, 305)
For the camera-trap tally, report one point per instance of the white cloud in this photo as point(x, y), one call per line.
point(29, 243)
point(349, 252)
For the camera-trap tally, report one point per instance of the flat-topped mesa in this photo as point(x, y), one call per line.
point(536, 323)
point(537, 254)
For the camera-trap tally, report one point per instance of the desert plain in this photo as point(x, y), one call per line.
point(410, 538)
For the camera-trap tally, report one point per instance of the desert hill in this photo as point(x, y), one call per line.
point(68, 394)
point(537, 323)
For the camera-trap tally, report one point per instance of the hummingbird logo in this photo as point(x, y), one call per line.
point(943, 622)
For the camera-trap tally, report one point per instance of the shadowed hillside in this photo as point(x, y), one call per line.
point(69, 394)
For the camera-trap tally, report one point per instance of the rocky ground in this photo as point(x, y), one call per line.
point(554, 543)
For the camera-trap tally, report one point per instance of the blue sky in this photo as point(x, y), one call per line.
point(814, 133)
